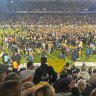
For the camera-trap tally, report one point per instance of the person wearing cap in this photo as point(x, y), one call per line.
point(29, 72)
point(3, 70)
point(44, 68)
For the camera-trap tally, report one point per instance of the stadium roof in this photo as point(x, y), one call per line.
point(58, 0)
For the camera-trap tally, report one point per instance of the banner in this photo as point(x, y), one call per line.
point(57, 64)
point(88, 64)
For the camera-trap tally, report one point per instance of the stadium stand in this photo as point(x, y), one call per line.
point(36, 29)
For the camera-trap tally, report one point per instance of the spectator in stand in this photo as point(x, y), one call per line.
point(44, 73)
point(94, 70)
point(63, 74)
point(27, 85)
point(90, 70)
point(40, 89)
point(66, 87)
point(81, 84)
point(93, 93)
point(11, 85)
point(84, 73)
point(45, 90)
point(3, 70)
point(29, 72)
point(92, 85)
point(67, 67)
point(75, 73)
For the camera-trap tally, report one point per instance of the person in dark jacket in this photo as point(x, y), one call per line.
point(3, 70)
point(66, 87)
point(44, 73)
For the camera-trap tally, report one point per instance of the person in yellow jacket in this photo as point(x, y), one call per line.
point(15, 65)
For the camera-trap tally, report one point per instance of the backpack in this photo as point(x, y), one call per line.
point(44, 75)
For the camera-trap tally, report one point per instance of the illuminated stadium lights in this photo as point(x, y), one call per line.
point(31, 6)
point(12, 6)
point(11, 1)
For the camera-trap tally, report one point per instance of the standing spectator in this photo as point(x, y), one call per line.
point(74, 55)
point(88, 52)
point(84, 73)
point(13, 57)
point(5, 58)
point(18, 57)
point(15, 65)
point(29, 72)
point(3, 70)
point(44, 73)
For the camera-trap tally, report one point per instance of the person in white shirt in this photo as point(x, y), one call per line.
point(29, 72)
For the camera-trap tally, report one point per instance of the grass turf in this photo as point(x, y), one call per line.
point(53, 55)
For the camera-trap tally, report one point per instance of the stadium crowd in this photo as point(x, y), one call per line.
point(47, 19)
point(37, 33)
point(44, 81)
point(71, 34)
point(67, 6)
point(44, 34)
